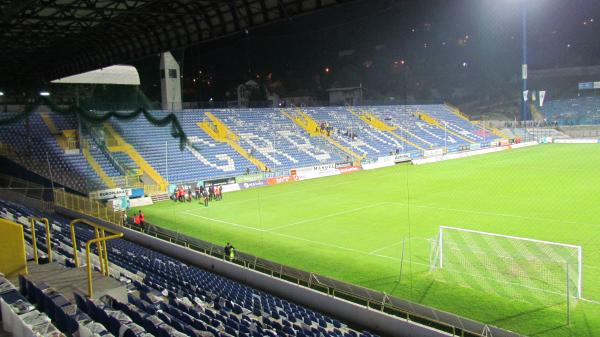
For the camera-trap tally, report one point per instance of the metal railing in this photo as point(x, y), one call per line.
point(100, 241)
point(88, 206)
point(34, 240)
point(25, 187)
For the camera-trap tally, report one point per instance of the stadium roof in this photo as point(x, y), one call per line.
point(42, 40)
point(119, 74)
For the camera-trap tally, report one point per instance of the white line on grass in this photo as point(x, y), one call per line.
point(385, 247)
point(224, 222)
point(506, 215)
point(299, 238)
point(325, 216)
point(589, 301)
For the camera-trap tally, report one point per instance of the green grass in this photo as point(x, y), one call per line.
point(351, 227)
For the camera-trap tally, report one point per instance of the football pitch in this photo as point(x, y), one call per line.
point(352, 227)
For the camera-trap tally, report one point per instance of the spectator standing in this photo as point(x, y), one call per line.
point(229, 251)
point(141, 218)
point(206, 196)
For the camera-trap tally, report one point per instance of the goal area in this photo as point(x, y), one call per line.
point(509, 266)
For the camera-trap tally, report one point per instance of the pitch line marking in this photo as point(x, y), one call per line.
point(385, 247)
point(506, 215)
point(224, 222)
point(299, 238)
point(325, 216)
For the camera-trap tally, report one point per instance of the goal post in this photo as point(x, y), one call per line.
point(507, 265)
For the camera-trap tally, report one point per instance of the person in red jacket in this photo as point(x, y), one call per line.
point(136, 220)
point(141, 218)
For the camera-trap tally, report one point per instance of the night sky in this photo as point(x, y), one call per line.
point(429, 47)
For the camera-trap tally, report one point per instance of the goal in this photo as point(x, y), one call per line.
point(510, 266)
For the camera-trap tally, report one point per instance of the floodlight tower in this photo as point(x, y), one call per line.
point(524, 109)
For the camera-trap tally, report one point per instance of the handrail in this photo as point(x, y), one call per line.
point(100, 242)
point(33, 238)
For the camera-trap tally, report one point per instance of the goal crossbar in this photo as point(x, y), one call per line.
point(578, 248)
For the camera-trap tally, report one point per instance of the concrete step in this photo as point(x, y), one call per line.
point(70, 280)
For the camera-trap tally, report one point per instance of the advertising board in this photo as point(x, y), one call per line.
point(219, 182)
point(281, 180)
point(109, 193)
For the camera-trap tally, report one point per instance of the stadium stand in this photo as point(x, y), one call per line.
point(574, 111)
point(248, 140)
point(36, 148)
point(165, 297)
point(369, 141)
point(275, 140)
point(206, 159)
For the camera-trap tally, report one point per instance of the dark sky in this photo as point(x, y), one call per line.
point(445, 44)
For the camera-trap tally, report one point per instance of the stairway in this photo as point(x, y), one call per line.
point(432, 121)
point(378, 124)
point(220, 132)
point(308, 124)
point(108, 181)
point(70, 280)
point(116, 143)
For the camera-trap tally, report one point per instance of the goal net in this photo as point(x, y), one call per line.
point(509, 266)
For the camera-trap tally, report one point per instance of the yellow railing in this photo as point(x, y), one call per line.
point(96, 167)
point(34, 240)
point(116, 143)
point(100, 242)
point(6, 151)
point(88, 206)
point(432, 121)
point(150, 189)
point(220, 132)
point(455, 110)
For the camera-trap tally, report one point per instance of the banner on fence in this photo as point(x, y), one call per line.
point(281, 180)
point(231, 187)
point(140, 202)
point(110, 193)
point(249, 177)
point(577, 141)
point(349, 169)
point(316, 168)
point(250, 184)
point(434, 152)
point(475, 146)
point(343, 164)
point(219, 182)
point(401, 158)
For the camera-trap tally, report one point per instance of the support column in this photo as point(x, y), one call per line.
point(170, 83)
